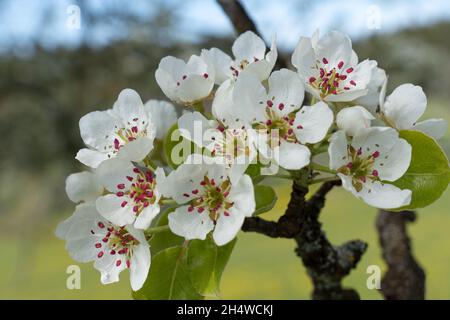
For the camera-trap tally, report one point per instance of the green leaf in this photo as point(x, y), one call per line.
point(176, 148)
point(164, 240)
point(265, 198)
point(428, 174)
point(206, 262)
point(169, 277)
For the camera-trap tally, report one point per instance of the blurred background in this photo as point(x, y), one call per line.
point(54, 68)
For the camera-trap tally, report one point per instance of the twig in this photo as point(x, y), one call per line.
point(404, 279)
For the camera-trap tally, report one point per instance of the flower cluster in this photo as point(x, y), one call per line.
point(238, 114)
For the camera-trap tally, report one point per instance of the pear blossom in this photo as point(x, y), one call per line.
point(83, 186)
point(368, 162)
point(132, 195)
point(90, 237)
point(403, 108)
point(229, 139)
point(127, 130)
point(185, 82)
point(283, 127)
point(208, 200)
point(353, 119)
point(250, 56)
point(329, 67)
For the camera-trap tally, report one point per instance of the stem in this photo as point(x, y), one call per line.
point(156, 230)
point(282, 176)
point(322, 168)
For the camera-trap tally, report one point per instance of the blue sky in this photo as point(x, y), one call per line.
point(288, 19)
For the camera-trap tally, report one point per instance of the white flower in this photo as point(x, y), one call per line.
point(283, 128)
point(127, 130)
point(330, 68)
point(83, 186)
point(404, 106)
point(134, 193)
point(375, 155)
point(209, 200)
point(371, 100)
point(90, 237)
point(250, 55)
point(353, 119)
point(185, 83)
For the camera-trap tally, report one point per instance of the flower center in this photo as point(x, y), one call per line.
point(127, 134)
point(142, 191)
point(276, 123)
point(117, 240)
point(212, 198)
point(231, 144)
point(360, 168)
point(331, 80)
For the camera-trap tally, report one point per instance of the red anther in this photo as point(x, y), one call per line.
point(312, 79)
point(342, 77)
point(203, 183)
point(270, 103)
point(376, 154)
point(334, 92)
point(324, 60)
point(120, 194)
point(375, 173)
point(178, 83)
point(190, 209)
point(129, 178)
point(101, 225)
point(118, 263)
point(349, 70)
point(105, 240)
point(269, 122)
point(98, 245)
point(135, 209)
point(340, 64)
point(225, 194)
point(146, 204)
point(346, 88)
point(322, 72)
point(186, 195)
point(195, 191)
point(100, 254)
point(134, 129)
point(213, 182)
point(350, 165)
point(281, 106)
point(121, 186)
point(363, 179)
point(200, 210)
point(359, 152)
point(116, 144)
point(255, 59)
point(290, 131)
point(136, 170)
point(184, 77)
point(299, 126)
point(128, 264)
point(352, 82)
point(205, 75)
point(113, 252)
point(226, 213)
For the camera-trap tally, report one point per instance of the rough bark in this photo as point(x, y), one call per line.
point(404, 279)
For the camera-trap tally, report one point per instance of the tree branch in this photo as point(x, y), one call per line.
point(405, 279)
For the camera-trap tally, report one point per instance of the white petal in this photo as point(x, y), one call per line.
point(393, 164)
point(82, 186)
point(338, 150)
point(91, 158)
point(404, 106)
point(381, 139)
point(312, 122)
point(163, 115)
point(353, 118)
point(248, 46)
point(194, 125)
point(372, 98)
point(304, 58)
point(129, 107)
point(221, 63)
point(110, 207)
point(287, 88)
point(136, 150)
point(146, 216)
point(140, 266)
point(262, 68)
point(248, 94)
point(293, 156)
point(225, 109)
point(335, 47)
point(114, 172)
point(435, 128)
point(170, 69)
point(385, 196)
point(98, 128)
point(194, 88)
point(227, 227)
point(190, 225)
point(108, 269)
point(242, 194)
